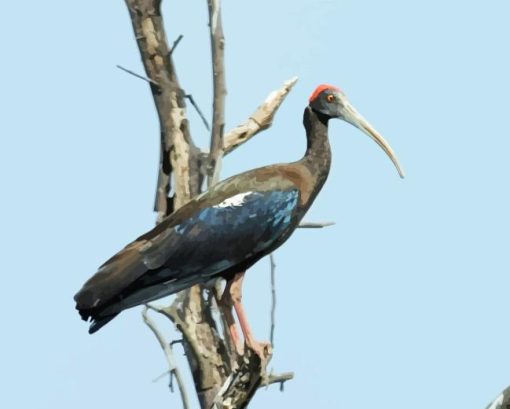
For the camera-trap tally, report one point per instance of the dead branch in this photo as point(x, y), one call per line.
point(182, 160)
point(238, 389)
point(167, 349)
point(211, 357)
point(137, 75)
point(177, 149)
point(502, 401)
point(202, 117)
point(176, 43)
point(219, 91)
point(273, 298)
point(259, 120)
point(239, 382)
point(204, 348)
point(157, 378)
point(315, 225)
point(279, 378)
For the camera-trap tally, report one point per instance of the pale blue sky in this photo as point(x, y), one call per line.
point(403, 303)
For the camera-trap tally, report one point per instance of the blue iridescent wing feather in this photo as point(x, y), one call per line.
point(218, 237)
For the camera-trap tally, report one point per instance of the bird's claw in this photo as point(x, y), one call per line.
point(262, 349)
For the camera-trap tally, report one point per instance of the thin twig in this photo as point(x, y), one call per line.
point(165, 346)
point(137, 75)
point(175, 44)
point(273, 298)
point(315, 225)
point(219, 91)
point(192, 100)
point(157, 378)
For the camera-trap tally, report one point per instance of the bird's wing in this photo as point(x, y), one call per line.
point(212, 239)
point(225, 234)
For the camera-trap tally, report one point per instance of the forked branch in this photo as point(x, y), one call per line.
point(167, 349)
point(212, 360)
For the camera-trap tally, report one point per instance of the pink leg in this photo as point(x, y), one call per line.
point(226, 307)
point(235, 288)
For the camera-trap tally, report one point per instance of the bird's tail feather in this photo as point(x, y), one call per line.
point(153, 292)
point(98, 323)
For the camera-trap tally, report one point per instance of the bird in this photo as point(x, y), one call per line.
point(225, 230)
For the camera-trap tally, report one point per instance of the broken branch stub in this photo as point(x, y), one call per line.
point(260, 120)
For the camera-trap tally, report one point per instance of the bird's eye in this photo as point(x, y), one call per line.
point(330, 98)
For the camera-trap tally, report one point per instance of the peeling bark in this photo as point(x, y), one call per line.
point(178, 153)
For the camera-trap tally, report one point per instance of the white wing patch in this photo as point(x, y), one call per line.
point(233, 201)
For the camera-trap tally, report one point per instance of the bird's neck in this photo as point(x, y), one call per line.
point(318, 152)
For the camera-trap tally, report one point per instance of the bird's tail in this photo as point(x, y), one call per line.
point(134, 295)
point(98, 323)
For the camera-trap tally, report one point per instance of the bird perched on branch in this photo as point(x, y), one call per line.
point(225, 230)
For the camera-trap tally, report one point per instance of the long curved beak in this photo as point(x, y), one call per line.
point(349, 114)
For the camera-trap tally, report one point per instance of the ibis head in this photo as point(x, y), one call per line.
point(331, 102)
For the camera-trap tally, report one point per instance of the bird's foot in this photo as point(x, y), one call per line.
point(263, 349)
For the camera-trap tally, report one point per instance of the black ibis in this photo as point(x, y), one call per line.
point(225, 230)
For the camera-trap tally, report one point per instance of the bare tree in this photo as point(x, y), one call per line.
point(223, 376)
